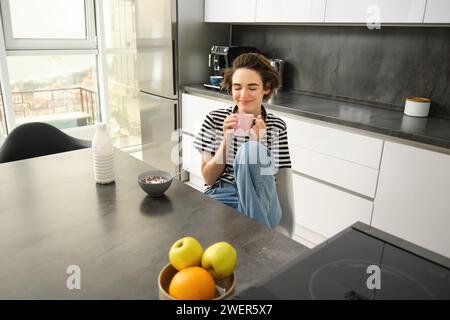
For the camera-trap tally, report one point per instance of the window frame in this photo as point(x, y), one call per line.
point(90, 42)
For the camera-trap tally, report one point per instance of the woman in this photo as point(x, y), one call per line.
point(240, 171)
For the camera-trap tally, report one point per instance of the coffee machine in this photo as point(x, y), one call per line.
point(278, 64)
point(221, 58)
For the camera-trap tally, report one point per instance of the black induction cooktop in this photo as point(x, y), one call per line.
point(359, 263)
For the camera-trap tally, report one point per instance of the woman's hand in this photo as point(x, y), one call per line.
point(229, 124)
point(258, 130)
point(213, 166)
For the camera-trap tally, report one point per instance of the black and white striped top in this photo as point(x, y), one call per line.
point(211, 135)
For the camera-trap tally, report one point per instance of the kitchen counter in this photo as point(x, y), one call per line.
point(53, 215)
point(431, 130)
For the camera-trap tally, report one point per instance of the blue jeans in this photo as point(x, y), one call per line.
point(255, 193)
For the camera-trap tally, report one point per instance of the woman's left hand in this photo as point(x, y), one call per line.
point(258, 130)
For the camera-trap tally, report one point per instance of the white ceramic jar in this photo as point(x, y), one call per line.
point(417, 106)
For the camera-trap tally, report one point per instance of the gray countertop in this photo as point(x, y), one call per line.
point(432, 131)
point(53, 215)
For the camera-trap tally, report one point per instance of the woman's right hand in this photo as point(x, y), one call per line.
point(229, 124)
point(213, 167)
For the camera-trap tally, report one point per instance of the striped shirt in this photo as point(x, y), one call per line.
point(211, 135)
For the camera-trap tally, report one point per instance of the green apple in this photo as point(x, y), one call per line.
point(185, 252)
point(220, 260)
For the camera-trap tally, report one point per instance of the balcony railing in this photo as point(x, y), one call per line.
point(49, 103)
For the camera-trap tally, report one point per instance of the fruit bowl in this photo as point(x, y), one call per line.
point(224, 287)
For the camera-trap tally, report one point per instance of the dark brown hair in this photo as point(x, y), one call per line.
point(257, 62)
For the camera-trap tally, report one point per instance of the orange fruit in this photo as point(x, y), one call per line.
point(193, 283)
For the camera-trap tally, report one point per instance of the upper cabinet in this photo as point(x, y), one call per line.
point(290, 11)
point(437, 11)
point(370, 11)
point(230, 11)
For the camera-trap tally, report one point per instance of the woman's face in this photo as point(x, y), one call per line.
point(248, 90)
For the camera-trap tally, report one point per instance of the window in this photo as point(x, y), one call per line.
point(2, 120)
point(121, 57)
point(51, 62)
point(59, 89)
point(49, 24)
point(57, 73)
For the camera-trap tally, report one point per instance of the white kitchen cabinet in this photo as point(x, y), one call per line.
point(191, 157)
point(342, 173)
point(340, 157)
point(194, 110)
point(384, 11)
point(413, 196)
point(334, 164)
point(334, 141)
point(230, 11)
point(191, 162)
point(437, 11)
point(325, 210)
point(290, 11)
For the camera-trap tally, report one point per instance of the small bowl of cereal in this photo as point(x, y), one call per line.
point(155, 182)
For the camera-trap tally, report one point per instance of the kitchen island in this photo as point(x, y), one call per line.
point(54, 219)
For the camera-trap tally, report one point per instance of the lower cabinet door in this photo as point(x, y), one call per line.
point(326, 210)
point(413, 196)
point(192, 161)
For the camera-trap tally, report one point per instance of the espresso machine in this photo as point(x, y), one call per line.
point(221, 58)
point(218, 60)
point(278, 64)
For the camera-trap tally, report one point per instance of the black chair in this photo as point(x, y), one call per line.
point(37, 139)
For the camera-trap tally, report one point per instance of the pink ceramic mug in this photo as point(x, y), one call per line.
point(245, 123)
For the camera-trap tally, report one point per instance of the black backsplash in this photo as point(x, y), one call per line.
point(379, 67)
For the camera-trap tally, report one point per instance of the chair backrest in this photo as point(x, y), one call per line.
point(286, 197)
point(37, 139)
